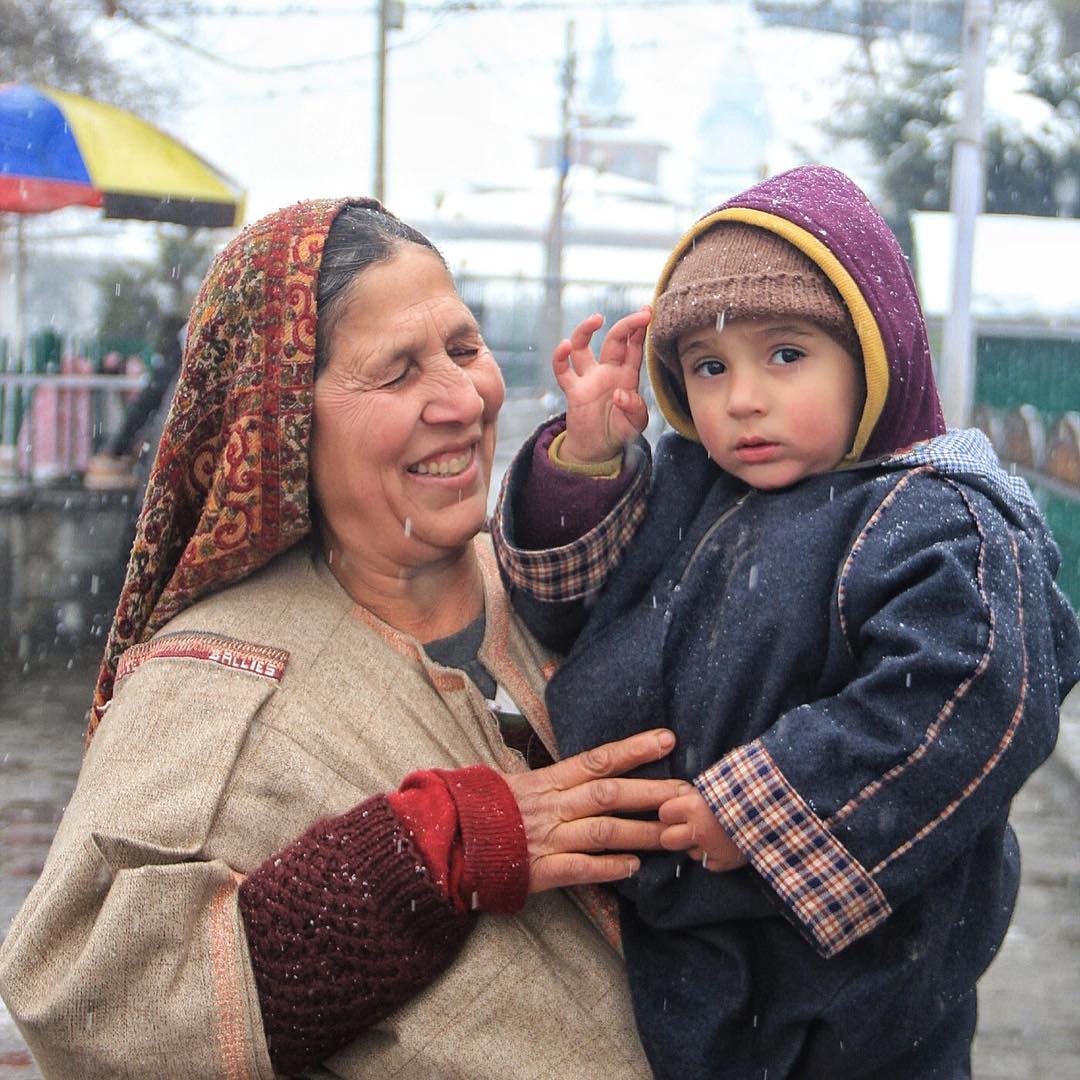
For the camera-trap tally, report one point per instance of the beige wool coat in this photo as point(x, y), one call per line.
point(253, 713)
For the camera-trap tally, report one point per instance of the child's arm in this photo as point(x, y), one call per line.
point(564, 517)
point(960, 645)
point(604, 411)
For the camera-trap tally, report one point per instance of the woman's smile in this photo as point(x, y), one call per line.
point(451, 464)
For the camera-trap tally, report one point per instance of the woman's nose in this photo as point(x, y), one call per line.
point(454, 398)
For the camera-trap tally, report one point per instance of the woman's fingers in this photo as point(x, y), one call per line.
point(559, 871)
point(570, 809)
point(605, 834)
point(615, 795)
point(608, 759)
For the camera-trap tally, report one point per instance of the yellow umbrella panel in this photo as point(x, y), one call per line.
point(134, 169)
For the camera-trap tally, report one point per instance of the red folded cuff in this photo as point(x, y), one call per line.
point(468, 828)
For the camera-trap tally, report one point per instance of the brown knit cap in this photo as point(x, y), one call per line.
point(745, 272)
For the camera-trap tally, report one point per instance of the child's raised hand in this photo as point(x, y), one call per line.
point(693, 828)
point(604, 410)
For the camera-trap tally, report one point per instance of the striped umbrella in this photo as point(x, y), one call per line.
point(59, 149)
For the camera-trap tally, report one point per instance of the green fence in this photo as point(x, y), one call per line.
point(1063, 517)
point(1045, 374)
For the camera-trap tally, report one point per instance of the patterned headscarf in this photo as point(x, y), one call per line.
point(229, 487)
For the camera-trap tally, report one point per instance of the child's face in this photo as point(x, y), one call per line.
point(773, 400)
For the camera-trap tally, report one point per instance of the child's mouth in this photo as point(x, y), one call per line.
point(755, 451)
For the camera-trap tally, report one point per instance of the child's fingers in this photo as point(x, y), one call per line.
point(585, 329)
point(625, 341)
point(633, 323)
point(673, 812)
point(581, 356)
point(560, 365)
point(633, 408)
point(677, 838)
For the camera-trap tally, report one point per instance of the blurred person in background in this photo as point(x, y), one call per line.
point(124, 461)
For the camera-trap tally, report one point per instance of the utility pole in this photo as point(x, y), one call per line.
point(965, 202)
point(551, 324)
point(391, 16)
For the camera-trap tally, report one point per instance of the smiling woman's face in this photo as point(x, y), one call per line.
point(404, 417)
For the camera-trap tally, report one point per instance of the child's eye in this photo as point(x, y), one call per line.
point(786, 355)
point(709, 367)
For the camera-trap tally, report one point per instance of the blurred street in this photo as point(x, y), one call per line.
point(1029, 1028)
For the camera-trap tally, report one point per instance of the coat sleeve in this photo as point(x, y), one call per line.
point(849, 805)
point(131, 955)
point(552, 588)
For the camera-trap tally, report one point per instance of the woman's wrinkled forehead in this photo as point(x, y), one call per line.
point(404, 306)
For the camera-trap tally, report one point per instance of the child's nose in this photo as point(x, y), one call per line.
point(745, 397)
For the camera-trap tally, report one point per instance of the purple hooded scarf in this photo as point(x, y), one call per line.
point(829, 218)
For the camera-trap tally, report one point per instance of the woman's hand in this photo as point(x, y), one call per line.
point(692, 827)
point(568, 812)
point(604, 410)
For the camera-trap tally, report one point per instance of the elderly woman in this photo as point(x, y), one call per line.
point(309, 618)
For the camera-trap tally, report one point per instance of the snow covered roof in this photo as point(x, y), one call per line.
point(1024, 268)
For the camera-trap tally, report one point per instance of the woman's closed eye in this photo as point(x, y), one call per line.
point(463, 354)
point(395, 376)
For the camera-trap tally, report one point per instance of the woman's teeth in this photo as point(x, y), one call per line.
point(446, 467)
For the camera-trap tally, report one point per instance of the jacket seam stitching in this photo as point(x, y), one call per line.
point(945, 712)
point(849, 562)
point(1003, 743)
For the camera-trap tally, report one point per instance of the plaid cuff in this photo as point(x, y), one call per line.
point(572, 572)
point(830, 894)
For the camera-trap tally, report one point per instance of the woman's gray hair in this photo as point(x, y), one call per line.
point(359, 238)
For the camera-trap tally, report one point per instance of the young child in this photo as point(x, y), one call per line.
point(847, 615)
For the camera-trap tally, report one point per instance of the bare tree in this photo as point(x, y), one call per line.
point(62, 45)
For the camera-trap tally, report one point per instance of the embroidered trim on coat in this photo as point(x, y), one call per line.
point(227, 990)
point(265, 661)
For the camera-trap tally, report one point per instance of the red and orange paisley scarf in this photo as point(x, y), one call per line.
point(229, 486)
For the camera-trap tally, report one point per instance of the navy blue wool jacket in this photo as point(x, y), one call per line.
point(861, 671)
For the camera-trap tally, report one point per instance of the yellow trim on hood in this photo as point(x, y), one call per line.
point(875, 360)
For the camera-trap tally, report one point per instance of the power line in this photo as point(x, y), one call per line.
point(464, 7)
point(452, 7)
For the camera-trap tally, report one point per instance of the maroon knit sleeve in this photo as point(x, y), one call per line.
point(555, 507)
point(343, 926)
point(364, 910)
